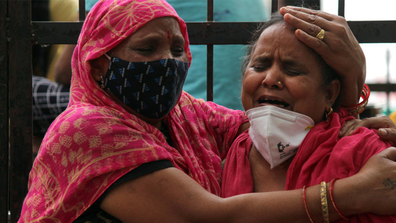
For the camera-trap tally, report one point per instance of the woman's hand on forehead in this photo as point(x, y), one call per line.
point(338, 48)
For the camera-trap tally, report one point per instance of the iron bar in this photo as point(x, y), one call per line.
point(213, 32)
point(209, 56)
point(274, 6)
point(4, 128)
point(81, 10)
point(341, 8)
point(20, 103)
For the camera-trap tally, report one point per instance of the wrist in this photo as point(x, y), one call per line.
point(356, 109)
point(349, 198)
point(351, 88)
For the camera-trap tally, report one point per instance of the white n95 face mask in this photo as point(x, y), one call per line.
point(277, 133)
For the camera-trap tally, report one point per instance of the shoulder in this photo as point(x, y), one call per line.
point(241, 145)
point(87, 120)
point(191, 104)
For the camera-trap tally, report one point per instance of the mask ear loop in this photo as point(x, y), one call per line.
point(107, 56)
point(101, 78)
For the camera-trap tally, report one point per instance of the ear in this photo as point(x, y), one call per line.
point(332, 91)
point(99, 67)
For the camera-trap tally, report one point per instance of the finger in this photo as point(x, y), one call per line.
point(389, 153)
point(313, 42)
point(349, 127)
point(388, 134)
point(309, 18)
point(307, 27)
point(378, 122)
point(322, 14)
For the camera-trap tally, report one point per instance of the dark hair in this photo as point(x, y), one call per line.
point(328, 73)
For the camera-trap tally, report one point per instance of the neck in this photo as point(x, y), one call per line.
point(157, 124)
point(266, 179)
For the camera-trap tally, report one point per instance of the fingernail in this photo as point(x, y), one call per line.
point(341, 132)
point(382, 132)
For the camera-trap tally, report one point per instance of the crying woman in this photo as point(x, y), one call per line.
point(289, 94)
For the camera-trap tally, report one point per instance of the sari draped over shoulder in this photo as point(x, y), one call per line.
point(321, 156)
point(237, 175)
point(95, 141)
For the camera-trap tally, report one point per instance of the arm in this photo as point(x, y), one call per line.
point(339, 48)
point(63, 70)
point(243, 127)
point(169, 195)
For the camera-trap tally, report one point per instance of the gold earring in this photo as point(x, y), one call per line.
point(102, 82)
point(328, 114)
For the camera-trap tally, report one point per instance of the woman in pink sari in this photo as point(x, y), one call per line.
point(133, 147)
point(288, 89)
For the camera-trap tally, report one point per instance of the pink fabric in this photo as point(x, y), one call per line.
point(322, 156)
point(95, 141)
point(237, 175)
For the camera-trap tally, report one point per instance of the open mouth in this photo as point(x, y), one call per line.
point(277, 103)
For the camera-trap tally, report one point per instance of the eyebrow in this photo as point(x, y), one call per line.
point(287, 61)
point(262, 58)
point(154, 37)
point(179, 39)
point(291, 61)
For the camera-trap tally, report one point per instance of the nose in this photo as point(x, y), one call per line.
point(164, 53)
point(273, 79)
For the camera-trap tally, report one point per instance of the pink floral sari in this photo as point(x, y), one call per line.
point(95, 141)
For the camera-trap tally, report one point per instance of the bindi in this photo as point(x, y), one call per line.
point(167, 34)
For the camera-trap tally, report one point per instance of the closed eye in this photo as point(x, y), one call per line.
point(294, 68)
point(144, 50)
point(261, 64)
point(293, 72)
point(259, 68)
point(178, 51)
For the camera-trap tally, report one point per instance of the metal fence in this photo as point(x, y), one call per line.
point(17, 35)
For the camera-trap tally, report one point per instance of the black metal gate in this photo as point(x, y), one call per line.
point(17, 35)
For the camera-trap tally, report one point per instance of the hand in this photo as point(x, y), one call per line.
point(377, 183)
point(339, 48)
point(386, 127)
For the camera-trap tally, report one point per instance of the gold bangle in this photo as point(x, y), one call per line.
point(323, 201)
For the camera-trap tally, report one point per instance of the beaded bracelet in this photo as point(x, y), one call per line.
point(355, 110)
point(323, 201)
point(304, 196)
point(333, 202)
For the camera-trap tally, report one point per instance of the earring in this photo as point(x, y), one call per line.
point(102, 82)
point(328, 114)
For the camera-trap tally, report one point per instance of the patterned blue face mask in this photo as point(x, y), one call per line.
point(149, 88)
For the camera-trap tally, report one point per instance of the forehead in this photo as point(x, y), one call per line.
point(164, 27)
point(168, 25)
point(282, 36)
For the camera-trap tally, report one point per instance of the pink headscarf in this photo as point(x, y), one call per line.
point(107, 25)
point(95, 141)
